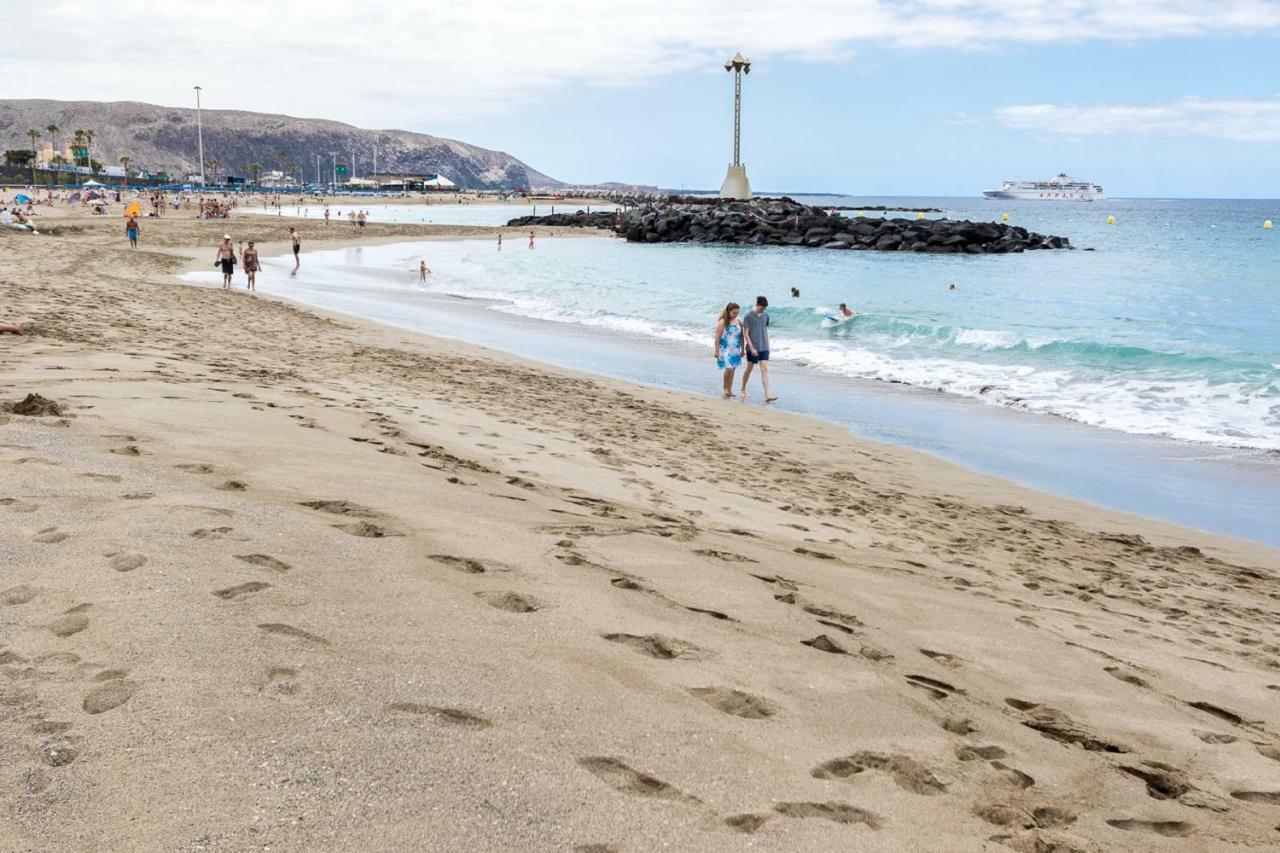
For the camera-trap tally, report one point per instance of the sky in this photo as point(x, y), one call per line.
point(1150, 98)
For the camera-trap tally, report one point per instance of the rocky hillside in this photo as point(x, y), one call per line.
point(164, 139)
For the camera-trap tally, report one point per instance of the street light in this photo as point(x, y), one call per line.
point(200, 135)
point(735, 183)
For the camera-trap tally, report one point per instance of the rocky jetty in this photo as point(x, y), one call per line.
point(784, 222)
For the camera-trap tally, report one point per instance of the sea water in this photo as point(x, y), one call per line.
point(1169, 327)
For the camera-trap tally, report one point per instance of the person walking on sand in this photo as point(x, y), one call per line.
point(251, 265)
point(296, 239)
point(326, 216)
point(756, 325)
point(131, 231)
point(226, 258)
point(423, 269)
point(530, 239)
point(729, 345)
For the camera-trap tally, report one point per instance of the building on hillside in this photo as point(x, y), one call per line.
point(408, 183)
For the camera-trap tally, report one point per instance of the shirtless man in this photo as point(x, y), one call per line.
point(226, 258)
point(297, 247)
point(423, 269)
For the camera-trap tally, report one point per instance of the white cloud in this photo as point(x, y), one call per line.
point(415, 62)
point(1237, 120)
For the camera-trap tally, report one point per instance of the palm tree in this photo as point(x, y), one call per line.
point(256, 169)
point(212, 165)
point(53, 136)
point(282, 155)
point(125, 161)
point(33, 133)
point(88, 140)
point(77, 143)
point(293, 171)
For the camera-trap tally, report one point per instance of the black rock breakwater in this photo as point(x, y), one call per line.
point(783, 222)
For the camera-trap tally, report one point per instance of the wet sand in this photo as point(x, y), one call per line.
point(278, 578)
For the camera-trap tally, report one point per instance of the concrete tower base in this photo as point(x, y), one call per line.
point(736, 184)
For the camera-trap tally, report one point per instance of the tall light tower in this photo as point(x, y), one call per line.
point(200, 135)
point(735, 183)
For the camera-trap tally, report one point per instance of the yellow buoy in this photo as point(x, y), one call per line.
point(1111, 220)
point(920, 215)
point(1267, 225)
point(861, 213)
point(1004, 217)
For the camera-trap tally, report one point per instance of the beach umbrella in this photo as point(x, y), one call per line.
point(133, 210)
point(73, 197)
point(92, 183)
point(21, 199)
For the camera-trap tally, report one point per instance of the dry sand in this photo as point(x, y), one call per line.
point(273, 579)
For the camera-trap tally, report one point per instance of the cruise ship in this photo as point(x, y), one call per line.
point(1061, 188)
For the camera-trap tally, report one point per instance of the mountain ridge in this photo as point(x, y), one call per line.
point(162, 138)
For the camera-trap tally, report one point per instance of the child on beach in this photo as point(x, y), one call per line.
point(423, 269)
point(297, 247)
point(728, 345)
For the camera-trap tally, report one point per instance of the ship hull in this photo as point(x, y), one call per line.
point(1032, 195)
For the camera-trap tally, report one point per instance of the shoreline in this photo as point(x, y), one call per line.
point(371, 581)
point(1187, 479)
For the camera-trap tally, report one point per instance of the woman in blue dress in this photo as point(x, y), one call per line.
point(729, 345)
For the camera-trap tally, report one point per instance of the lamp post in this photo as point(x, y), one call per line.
point(735, 183)
point(200, 135)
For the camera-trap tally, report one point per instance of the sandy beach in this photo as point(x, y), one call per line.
point(273, 579)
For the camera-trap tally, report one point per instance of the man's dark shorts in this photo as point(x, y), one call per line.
point(756, 358)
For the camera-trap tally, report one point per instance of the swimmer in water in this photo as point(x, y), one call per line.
point(951, 286)
point(845, 312)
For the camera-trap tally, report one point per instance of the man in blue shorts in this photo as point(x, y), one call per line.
point(756, 325)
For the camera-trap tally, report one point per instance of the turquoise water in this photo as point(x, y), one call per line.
point(1170, 327)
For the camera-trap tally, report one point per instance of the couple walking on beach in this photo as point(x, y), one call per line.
point(737, 336)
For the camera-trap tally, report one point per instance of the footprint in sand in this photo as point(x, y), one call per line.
point(511, 601)
point(461, 564)
point(15, 505)
point(747, 823)
point(1056, 725)
point(196, 468)
point(835, 812)
point(127, 450)
point(906, 772)
point(452, 716)
point(49, 536)
point(59, 752)
point(232, 486)
point(210, 532)
point(366, 530)
point(20, 594)
point(736, 702)
point(1168, 828)
point(110, 695)
point(232, 593)
point(282, 630)
point(1163, 781)
point(622, 777)
point(69, 624)
point(1271, 798)
point(282, 680)
point(980, 753)
point(348, 508)
point(127, 562)
point(823, 643)
point(659, 646)
point(264, 561)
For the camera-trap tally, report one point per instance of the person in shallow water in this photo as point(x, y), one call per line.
point(728, 345)
point(226, 259)
point(756, 339)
